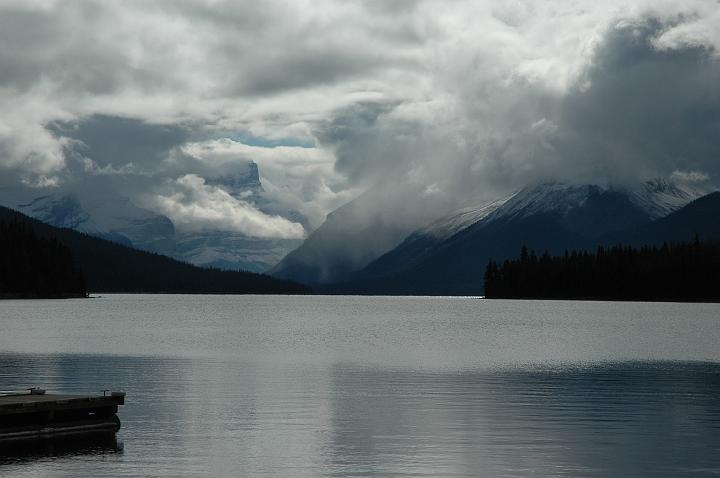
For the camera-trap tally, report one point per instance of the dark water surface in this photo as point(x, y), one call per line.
point(353, 386)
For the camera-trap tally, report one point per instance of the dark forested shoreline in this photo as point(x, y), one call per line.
point(36, 267)
point(686, 272)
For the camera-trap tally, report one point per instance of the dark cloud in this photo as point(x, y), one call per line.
point(365, 147)
point(51, 46)
point(118, 142)
point(293, 69)
point(639, 110)
point(633, 112)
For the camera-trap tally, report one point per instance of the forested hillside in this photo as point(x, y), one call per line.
point(32, 266)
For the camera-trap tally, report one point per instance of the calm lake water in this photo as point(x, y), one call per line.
point(368, 386)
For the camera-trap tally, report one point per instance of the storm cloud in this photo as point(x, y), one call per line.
point(457, 101)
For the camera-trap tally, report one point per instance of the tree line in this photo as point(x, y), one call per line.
point(685, 271)
point(33, 266)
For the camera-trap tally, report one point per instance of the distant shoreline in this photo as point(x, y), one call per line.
point(599, 299)
point(13, 296)
point(100, 295)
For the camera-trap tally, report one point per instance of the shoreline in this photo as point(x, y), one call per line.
point(17, 296)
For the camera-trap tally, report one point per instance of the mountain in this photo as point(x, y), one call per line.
point(357, 233)
point(241, 183)
point(110, 217)
point(231, 250)
point(449, 256)
point(698, 218)
point(660, 197)
point(676, 258)
point(111, 267)
point(414, 247)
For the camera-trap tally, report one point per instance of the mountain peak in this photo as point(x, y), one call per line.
point(661, 185)
point(458, 220)
point(62, 211)
point(112, 217)
point(546, 216)
point(241, 183)
point(660, 197)
point(656, 197)
point(545, 197)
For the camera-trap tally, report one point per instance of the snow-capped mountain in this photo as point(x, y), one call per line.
point(59, 211)
point(231, 251)
point(660, 197)
point(416, 245)
point(357, 233)
point(120, 221)
point(549, 197)
point(456, 221)
point(449, 255)
point(110, 217)
point(656, 198)
point(243, 183)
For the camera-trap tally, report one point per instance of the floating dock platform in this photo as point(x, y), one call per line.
point(33, 415)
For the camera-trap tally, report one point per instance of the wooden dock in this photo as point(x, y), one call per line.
point(36, 415)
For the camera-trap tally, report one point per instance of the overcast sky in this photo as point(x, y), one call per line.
point(455, 99)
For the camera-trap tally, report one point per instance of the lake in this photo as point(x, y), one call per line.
point(375, 386)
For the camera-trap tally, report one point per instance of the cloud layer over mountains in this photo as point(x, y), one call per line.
point(451, 100)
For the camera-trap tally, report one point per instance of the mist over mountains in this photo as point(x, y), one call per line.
point(368, 125)
point(108, 215)
point(449, 255)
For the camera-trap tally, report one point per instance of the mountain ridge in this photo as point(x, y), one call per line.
point(114, 217)
point(547, 216)
point(355, 234)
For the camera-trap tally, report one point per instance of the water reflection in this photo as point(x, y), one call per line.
point(97, 444)
point(153, 409)
point(202, 417)
point(624, 419)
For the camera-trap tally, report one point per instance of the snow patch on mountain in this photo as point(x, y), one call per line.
point(460, 219)
point(108, 215)
point(113, 218)
point(242, 183)
point(660, 197)
point(657, 198)
point(59, 211)
point(546, 197)
point(232, 251)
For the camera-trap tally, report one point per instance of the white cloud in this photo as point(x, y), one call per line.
point(300, 179)
point(690, 176)
point(25, 143)
point(699, 27)
point(461, 96)
point(191, 204)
